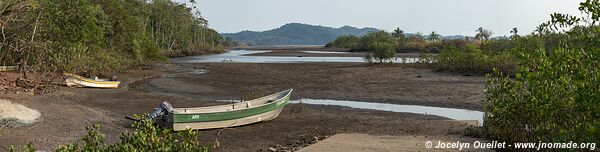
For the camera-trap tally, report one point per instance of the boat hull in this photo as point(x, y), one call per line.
point(231, 115)
point(228, 123)
point(73, 82)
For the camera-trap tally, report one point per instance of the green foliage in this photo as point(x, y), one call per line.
point(400, 40)
point(502, 54)
point(523, 44)
point(399, 34)
point(499, 45)
point(100, 36)
point(554, 95)
point(552, 98)
point(364, 43)
point(146, 137)
point(417, 37)
point(400, 37)
point(178, 30)
point(27, 148)
point(473, 59)
point(380, 52)
point(434, 36)
point(373, 37)
point(73, 32)
point(347, 41)
point(123, 30)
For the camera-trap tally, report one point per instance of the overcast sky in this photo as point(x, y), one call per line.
point(447, 17)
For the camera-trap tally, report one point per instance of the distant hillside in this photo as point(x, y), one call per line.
point(296, 34)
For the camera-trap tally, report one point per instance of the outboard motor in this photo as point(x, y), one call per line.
point(163, 109)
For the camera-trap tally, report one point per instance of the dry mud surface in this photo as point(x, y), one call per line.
point(66, 112)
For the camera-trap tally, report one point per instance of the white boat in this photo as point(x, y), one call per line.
point(79, 81)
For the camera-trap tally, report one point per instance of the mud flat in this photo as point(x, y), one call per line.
point(396, 84)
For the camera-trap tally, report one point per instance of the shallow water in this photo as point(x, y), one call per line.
point(452, 113)
point(239, 56)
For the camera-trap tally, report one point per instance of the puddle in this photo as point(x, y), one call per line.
point(452, 113)
point(238, 56)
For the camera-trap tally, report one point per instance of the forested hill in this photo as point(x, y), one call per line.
point(100, 35)
point(296, 34)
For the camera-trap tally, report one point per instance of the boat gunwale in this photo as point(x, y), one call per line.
point(289, 92)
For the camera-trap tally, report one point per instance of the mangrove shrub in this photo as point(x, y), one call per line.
point(555, 95)
point(380, 52)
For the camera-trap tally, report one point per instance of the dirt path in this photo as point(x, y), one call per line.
point(67, 112)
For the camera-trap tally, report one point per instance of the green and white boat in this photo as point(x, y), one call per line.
point(242, 113)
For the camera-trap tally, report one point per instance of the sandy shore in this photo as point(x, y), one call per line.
point(66, 112)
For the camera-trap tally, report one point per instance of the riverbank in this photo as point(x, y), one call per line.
point(66, 112)
point(311, 51)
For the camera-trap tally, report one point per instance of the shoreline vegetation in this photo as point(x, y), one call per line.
point(100, 37)
point(542, 87)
